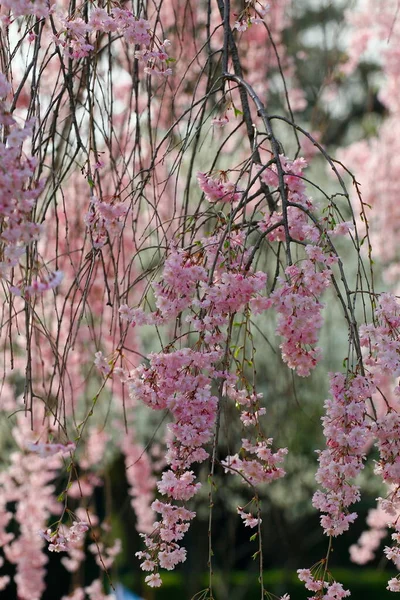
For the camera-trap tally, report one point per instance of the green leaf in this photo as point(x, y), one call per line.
point(237, 351)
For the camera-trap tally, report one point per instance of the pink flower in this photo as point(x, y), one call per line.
point(179, 488)
point(393, 585)
point(241, 25)
point(218, 190)
point(342, 228)
point(153, 580)
point(248, 519)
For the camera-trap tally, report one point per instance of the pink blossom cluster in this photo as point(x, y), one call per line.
point(386, 431)
point(72, 37)
point(60, 539)
point(214, 283)
point(230, 292)
point(300, 226)
point(253, 14)
point(75, 547)
point(174, 293)
point(347, 432)
point(104, 219)
point(381, 342)
point(18, 195)
point(181, 276)
point(156, 60)
point(324, 590)
point(248, 519)
point(248, 403)
point(226, 251)
point(137, 316)
point(178, 487)
point(393, 552)
point(381, 338)
point(393, 585)
point(293, 173)
point(219, 189)
point(102, 364)
point(299, 309)
point(74, 34)
point(262, 469)
point(162, 548)
point(297, 220)
point(232, 287)
point(297, 299)
point(27, 484)
point(179, 381)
